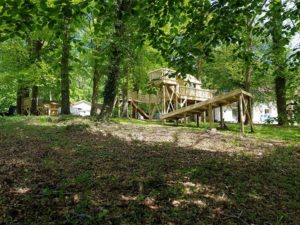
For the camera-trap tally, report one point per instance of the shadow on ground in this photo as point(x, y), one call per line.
point(69, 175)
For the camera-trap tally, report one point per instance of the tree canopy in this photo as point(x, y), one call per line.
point(85, 49)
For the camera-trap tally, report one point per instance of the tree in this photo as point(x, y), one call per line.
point(63, 18)
point(122, 11)
point(278, 13)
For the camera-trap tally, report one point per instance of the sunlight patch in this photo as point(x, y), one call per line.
point(128, 198)
point(181, 202)
point(21, 191)
point(150, 202)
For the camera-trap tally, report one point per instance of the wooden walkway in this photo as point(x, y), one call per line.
point(240, 96)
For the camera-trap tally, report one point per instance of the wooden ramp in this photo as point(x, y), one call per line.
point(138, 109)
point(216, 102)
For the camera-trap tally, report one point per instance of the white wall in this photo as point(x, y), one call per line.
point(81, 109)
point(229, 113)
point(261, 112)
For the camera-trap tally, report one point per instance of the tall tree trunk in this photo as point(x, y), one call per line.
point(65, 81)
point(111, 86)
point(125, 94)
point(248, 75)
point(23, 92)
point(95, 94)
point(19, 101)
point(279, 59)
point(280, 89)
point(37, 46)
point(248, 62)
point(34, 99)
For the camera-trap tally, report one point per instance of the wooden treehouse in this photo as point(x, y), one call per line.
point(180, 98)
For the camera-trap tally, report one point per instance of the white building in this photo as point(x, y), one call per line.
point(81, 108)
point(262, 113)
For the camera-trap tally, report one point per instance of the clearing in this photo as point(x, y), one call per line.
point(75, 171)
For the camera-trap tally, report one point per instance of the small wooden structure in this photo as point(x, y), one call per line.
point(43, 107)
point(173, 92)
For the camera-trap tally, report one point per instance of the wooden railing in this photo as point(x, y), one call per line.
point(195, 93)
point(144, 98)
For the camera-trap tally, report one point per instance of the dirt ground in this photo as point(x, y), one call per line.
point(82, 172)
point(188, 138)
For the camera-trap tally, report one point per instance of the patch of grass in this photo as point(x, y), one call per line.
point(57, 173)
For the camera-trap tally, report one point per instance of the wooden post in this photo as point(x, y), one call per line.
point(119, 111)
point(198, 120)
point(241, 113)
point(250, 114)
point(210, 116)
point(185, 119)
point(204, 117)
point(221, 117)
point(176, 97)
point(176, 121)
point(164, 100)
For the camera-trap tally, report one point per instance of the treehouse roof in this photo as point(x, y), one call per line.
point(166, 72)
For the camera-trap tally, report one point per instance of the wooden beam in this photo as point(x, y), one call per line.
point(210, 116)
point(221, 117)
point(164, 100)
point(185, 119)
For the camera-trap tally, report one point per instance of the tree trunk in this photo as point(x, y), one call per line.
point(34, 98)
point(37, 46)
point(111, 86)
point(95, 95)
point(125, 105)
point(280, 89)
point(19, 101)
point(248, 75)
point(23, 92)
point(65, 81)
point(125, 94)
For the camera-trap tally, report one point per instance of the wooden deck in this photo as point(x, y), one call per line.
point(215, 102)
point(239, 96)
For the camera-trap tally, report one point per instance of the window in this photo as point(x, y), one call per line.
point(192, 85)
point(267, 111)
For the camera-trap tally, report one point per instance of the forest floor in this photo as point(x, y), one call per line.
point(76, 171)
